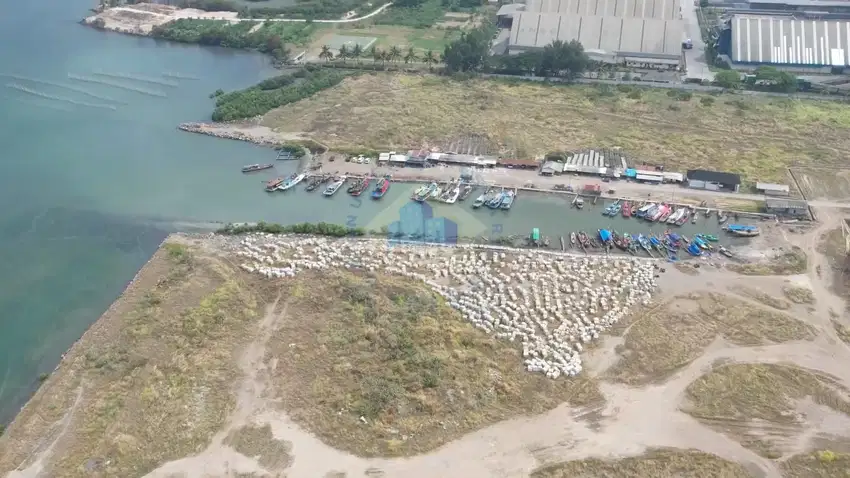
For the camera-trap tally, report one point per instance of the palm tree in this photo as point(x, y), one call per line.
point(357, 52)
point(384, 56)
point(326, 53)
point(375, 53)
point(411, 56)
point(430, 58)
point(394, 54)
point(343, 53)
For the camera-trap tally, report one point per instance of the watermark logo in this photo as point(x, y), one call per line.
point(417, 223)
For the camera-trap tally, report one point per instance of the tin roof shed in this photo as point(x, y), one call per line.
point(774, 188)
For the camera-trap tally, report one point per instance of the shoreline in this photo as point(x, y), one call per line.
point(264, 136)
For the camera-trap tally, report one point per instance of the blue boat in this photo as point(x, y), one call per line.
point(508, 200)
point(604, 235)
point(740, 227)
point(694, 250)
point(496, 202)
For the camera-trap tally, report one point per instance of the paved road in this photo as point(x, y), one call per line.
point(697, 67)
point(293, 20)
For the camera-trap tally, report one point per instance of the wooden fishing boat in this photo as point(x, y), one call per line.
point(355, 185)
point(686, 214)
point(726, 252)
point(334, 186)
point(627, 209)
point(273, 184)
point(256, 167)
point(465, 191)
point(381, 188)
point(573, 239)
point(363, 186)
point(313, 184)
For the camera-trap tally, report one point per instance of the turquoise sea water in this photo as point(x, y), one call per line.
point(94, 174)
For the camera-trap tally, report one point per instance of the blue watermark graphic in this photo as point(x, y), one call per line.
point(351, 221)
point(356, 202)
point(417, 223)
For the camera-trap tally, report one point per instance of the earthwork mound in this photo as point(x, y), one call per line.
point(379, 365)
point(768, 407)
point(660, 463)
point(662, 340)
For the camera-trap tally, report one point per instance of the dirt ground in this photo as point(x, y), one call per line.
point(529, 120)
point(230, 421)
point(140, 19)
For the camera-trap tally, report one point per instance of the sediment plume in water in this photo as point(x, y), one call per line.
point(143, 79)
point(143, 91)
point(65, 87)
point(58, 98)
point(179, 76)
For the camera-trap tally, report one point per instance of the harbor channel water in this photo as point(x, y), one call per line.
point(94, 175)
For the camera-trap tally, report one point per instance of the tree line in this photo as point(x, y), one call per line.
point(766, 78)
point(274, 92)
point(319, 229)
point(392, 55)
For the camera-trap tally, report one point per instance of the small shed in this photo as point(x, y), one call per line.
point(593, 189)
point(794, 208)
point(551, 168)
point(770, 189)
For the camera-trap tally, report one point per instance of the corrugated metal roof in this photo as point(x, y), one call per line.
point(771, 203)
point(649, 177)
point(773, 187)
point(804, 3)
point(659, 9)
point(785, 40)
point(510, 9)
point(619, 35)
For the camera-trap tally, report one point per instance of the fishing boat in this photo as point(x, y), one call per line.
point(604, 235)
point(355, 185)
point(497, 199)
point(676, 216)
point(273, 184)
point(436, 192)
point(686, 214)
point(453, 195)
point(381, 188)
point(641, 212)
point(579, 202)
point(694, 250)
point(721, 217)
point(726, 252)
point(627, 209)
point(313, 184)
point(465, 191)
point(480, 200)
point(709, 237)
point(573, 239)
point(256, 167)
point(508, 200)
point(694, 217)
point(742, 230)
point(665, 215)
point(363, 187)
point(419, 191)
point(334, 186)
point(615, 209)
point(701, 243)
point(644, 243)
point(291, 181)
point(583, 239)
point(618, 241)
point(657, 213)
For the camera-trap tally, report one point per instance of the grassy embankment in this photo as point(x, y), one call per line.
point(151, 381)
point(392, 352)
point(731, 132)
point(657, 463)
point(757, 403)
point(663, 340)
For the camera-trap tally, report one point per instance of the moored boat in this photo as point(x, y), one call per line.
point(497, 199)
point(453, 195)
point(465, 191)
point(314, 183)
point(256, 167)
point(334, 186)
point(364, 185)
point(573, 239)
point(726, 252)
point(579, 202)
point(686, 214)
point(381, 188)
point(643, 210)
point(425, 192)
point(272, 185)
point(627, 209)
point(508, 200)
point(291, 182)
point(355, 185)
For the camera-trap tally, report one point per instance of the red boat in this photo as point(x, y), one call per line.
point(362, 187)
point(273, 184)
point(627, 209)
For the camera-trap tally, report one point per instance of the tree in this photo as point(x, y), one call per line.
point(468, 52)
point(562, 59)
point(728, 79)
point(410, 56)
point(326, 53)
point(375, 53)
point(774, 79)
point(383, 56)
point(357, 52)
point(343, 53)
point(394, 54)
point(430, 58)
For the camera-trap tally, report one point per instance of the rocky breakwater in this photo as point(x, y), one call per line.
point(254, 134)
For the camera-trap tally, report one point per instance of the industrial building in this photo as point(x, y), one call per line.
point(785, 41)
point(713, 180)
point(639, 33)
point(770, 189)
point(793, 208)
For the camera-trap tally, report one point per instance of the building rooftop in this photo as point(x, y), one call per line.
point(600, 34)
point(804, 3)
point(510, 9)
point(786, 40)
point(776, 203)
point(657, 9)
point(729, 179)
point(773, 187)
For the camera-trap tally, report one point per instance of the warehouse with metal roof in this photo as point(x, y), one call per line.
point(643, 33)
point(789, 41)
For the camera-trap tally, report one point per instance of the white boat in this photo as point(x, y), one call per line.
point(292, 181)
point(676, 216)
point(579, 201)
point(334, 186)
point(452, 198)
